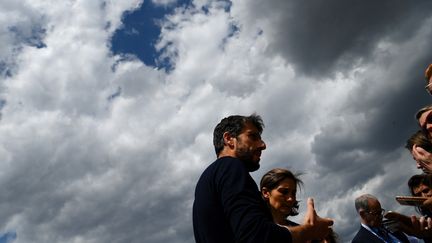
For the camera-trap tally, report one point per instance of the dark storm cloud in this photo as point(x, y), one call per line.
point(321, 37)
point(374, 125)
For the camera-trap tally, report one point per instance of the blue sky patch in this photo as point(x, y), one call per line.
point(140, 33)
point(8, 237)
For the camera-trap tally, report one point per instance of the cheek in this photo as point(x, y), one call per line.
point(275, 201)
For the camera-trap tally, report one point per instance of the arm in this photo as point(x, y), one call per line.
point(246, 212)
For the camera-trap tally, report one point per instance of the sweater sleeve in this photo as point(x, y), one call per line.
point(244, 208)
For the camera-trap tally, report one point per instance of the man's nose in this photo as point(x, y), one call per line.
point(263, 146)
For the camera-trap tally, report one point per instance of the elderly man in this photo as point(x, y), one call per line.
point(371, 230)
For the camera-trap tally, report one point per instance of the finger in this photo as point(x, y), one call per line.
point(427, 203)
point(310, 203)
point(328, 221)
point(311, 206)
point(422, 223)
point(415, 153)
point(415, 222)
point(421, 150)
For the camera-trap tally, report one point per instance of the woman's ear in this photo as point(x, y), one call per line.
point(265, 193)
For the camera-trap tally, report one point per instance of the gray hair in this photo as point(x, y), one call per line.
point(361, 202)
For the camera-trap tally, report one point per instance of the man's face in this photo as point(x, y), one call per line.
point(422, 191)
point(425, 122)
point(374, 216)
point(248, 146)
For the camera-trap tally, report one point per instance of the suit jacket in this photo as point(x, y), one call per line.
point(364, 235)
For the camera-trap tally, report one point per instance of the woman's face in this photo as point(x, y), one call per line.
point(282, 198)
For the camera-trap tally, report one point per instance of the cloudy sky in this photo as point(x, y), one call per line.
point(108, 107)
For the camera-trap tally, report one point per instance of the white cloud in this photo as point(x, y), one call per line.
point(101, 148)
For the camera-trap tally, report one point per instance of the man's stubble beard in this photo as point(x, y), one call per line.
point(247, 157)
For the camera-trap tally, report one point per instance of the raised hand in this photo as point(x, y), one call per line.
point(313, 228)
point(423, 158)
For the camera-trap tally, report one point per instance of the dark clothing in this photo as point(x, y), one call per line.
point(364, 235)
point(228, 207)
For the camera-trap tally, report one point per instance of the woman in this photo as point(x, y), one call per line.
point(420, 148)
point(279, 189)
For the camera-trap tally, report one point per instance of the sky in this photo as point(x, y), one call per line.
point(108, 107)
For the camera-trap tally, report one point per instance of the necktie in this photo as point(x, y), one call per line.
point(381, 232)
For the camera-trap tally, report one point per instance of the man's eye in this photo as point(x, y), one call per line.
point(254, 136)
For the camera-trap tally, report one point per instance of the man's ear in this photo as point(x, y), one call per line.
point(228, 139)
point(362, 213)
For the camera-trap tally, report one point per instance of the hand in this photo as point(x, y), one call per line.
point(409, 225)
point(395, 216)
point(419, 227)
point(423, 158)
point(427, 204)
point(313, 227)
point(422, 226)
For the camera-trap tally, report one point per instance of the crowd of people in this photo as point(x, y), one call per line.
point(230, 207)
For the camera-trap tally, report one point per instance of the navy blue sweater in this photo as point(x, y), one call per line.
point(228, 207)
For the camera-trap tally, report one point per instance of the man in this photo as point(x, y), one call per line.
point(421, 186)
point(428, 77)
point(424, 119)
point(228, 206)
point(371, 230)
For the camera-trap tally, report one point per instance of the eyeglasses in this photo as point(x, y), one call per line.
point(427, 88)
point(377, 213)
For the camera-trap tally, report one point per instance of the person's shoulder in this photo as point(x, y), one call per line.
point(224, 167)
point(361, 236)
point(226, 162)
point(358, 236)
